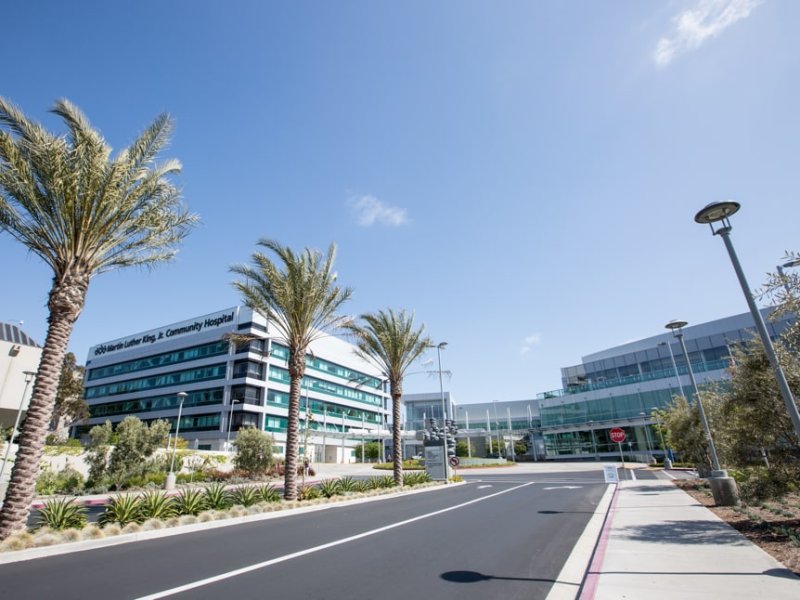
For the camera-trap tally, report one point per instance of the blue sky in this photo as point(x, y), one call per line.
point(522, 175)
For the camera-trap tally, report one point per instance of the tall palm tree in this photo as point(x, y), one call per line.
point(301, 299)
point(390, 341)
point(83, 213)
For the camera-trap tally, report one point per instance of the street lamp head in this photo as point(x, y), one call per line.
point(442, 345)
point(676, 324)
point(716, 211)
point(795, 262)
point(182, 395)
point(29, 375)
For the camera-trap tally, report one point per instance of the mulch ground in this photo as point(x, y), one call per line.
point(773, 525)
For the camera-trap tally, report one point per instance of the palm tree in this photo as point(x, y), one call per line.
point(390, 341)
point(83, 213)
point(301, 299)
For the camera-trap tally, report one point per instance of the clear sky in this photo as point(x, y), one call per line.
point(522, 175)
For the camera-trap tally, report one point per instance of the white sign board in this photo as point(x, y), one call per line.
point(610, 473)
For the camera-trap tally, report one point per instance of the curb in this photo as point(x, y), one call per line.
point(69, 547)
point(570, 580)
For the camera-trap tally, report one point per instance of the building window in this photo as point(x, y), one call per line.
point(248, 368)
point(167, 402)
point(159, 360)
point(157, 381)
point(246, 394)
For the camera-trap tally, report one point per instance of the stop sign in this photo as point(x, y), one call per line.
point(617, 435)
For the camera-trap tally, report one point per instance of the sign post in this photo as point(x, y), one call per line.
point(617, 434)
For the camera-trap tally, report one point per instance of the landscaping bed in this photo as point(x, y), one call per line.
point(63, 519)
point(773, 525)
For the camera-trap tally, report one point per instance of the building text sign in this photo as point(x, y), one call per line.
point(212, 321)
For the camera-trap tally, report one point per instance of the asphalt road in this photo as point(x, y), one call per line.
point(501, 536)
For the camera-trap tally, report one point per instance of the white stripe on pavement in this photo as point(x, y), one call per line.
point(280, 559)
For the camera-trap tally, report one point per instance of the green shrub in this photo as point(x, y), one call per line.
point(329, 488)
point(190, 502)
point(62, 513)
point(156, 505)
point(410, 465)
point(363, 485)
point(386, 481)
point(308, 492)
point(217, 497)
point(268, 493)
point(347, 484)
point(151, 478)
point(66, 481)
point(121, 510)
point(253, 451)
point(245, 496)
point(416, 478)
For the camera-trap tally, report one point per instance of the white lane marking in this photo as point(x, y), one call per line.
point(633, 474)
point(280, 559)
point(564, 487)
point(670, 475)
point(483, 487)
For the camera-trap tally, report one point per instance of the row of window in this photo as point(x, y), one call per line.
point(638, 439)
point(326, 387)
point(606, 409)
point(318, 364)
point(333, 411)
point(170, 401)
point(160, 360)
point(156, 381)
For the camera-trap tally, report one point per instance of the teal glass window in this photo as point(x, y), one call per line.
point(326, 387)
point(169, 401)
point(156, 381)
point(159, 360)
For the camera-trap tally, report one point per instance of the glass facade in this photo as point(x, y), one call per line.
point(625, 406)
point(156, 381)
point(159, 360)
point(318, 407)
point(326, 387)
point(318, 364)
point(169, 401)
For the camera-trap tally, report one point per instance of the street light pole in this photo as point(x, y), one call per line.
point(511, 436)
point(170, 483)
point(230, 420)
point(29, 375)
point(723, 487)
point(489, 431)
point(674, 366)
point(677, 331)
point(719, 212)
point(439, 347)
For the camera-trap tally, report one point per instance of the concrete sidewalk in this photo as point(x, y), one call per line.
point(659, 543)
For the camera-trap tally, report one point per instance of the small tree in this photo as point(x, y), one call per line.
point(461, 448)
point(70, 405)
point(372, 451)
point(520, 447)
point(684, 432)
point(253, 451)
point(135, 442)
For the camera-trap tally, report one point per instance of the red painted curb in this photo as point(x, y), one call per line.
point(589, 586)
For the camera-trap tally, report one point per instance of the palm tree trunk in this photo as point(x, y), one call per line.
point(66, 301)
point(297, 367)
point(397, 448)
